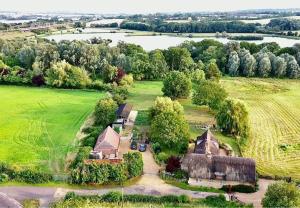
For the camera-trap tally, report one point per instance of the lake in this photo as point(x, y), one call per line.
point(151, 42)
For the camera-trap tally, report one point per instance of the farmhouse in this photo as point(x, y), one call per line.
point(206, 163)
point(107, 145)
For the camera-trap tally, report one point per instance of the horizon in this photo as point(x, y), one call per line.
point(143, 6)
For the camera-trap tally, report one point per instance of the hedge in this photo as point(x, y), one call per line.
point(241, 188)
point(85, 173)
point(24, 175)
point(116, 196)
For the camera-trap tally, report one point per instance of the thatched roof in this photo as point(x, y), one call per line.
point(207, 143)
point(209, 166)
point(124, 110)
point(108, 140)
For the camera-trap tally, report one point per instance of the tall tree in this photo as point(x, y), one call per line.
point(233, 118)
point(177, 85)
point(233, 64)
point(209, 93)
point(212, 71)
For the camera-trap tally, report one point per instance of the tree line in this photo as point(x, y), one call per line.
point(87, 64)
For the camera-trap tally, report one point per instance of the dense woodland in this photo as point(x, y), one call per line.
point(209, 26)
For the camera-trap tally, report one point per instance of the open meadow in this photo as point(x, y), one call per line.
point(274, 106)
point(38, 125)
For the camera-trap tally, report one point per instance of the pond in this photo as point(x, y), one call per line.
point(151, 42)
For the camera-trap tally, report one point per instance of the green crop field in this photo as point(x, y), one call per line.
point(274, 107)
point(38, 125)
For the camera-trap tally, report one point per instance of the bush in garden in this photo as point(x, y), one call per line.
point(156, 147)
point(127, 80)
point(118, 173)
point(162, 157)
point(38, 80)
point(241, 188)
point(134, 163)
point(173, 164)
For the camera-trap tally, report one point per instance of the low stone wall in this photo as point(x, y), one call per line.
point(213, 183)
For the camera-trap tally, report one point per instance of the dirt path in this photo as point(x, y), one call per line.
point(256, 197)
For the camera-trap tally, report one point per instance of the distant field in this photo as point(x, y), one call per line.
point(142, 97)
point(275, 123)
point(38, 125)
point(15, 34)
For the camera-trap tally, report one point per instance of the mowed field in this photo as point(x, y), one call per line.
point(274, 107)
point(38, 125)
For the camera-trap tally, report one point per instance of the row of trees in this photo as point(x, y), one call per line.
point(191, 27)
point(262, 64)
point(78, 64)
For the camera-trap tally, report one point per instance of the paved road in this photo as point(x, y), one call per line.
point(256, 197)
point(47, 195)
point(149, 184)
point(6, 201)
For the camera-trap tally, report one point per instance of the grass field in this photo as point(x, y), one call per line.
point(38, 125)
point(142, 97)
point(275, 123)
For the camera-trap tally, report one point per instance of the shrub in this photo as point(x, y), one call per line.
point(70, 195)
point(162, 157)
point(31, 176)
point(4, 178)
point(38, 80)
point(215, 201)
point(127, 80)
point(98, 85)
point(113, 196)
point(156, 148)
point(241, 188)
point(180, 174)
point(282, 194)
point(173, 164)
point(134, 163)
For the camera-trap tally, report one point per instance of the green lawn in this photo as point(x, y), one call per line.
point(143, 94)
point(38, 125)
point(274, 107)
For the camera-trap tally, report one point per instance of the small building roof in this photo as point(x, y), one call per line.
point(207, 144)
point(109, 139)
point(234, 168)
point(124, 110)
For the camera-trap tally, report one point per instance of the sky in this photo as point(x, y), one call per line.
point(143, 6)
